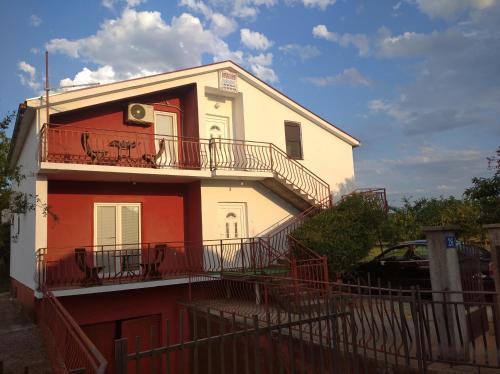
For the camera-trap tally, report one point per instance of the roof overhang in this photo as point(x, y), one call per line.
point(22, 125)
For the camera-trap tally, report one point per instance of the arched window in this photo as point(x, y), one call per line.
point(215, 132)
point(231, 226)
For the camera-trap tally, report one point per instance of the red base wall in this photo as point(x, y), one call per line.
point(126, 314)
point(25, 296)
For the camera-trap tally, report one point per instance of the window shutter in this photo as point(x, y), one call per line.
point(130, 225)
point(293, 140)
point(106, 225)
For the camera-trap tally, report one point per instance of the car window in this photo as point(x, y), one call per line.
point(395, 254)
point(421, 252)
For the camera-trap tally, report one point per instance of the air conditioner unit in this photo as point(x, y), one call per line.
point(140, 113)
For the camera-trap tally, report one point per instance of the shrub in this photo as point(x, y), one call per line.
point(344, 233)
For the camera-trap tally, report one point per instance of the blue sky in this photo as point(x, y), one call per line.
point(417, 81)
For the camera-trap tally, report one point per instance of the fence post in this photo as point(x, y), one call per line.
point(445, 277)
point(221, 257)
point(494, 236)
point(325, 269)
point(121, 353)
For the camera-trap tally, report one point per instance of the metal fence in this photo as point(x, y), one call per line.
point(394, 328)
point(138, 262)
point(69, 349)
point(227, 343)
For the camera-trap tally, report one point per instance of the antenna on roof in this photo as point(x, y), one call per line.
point(81, 85)
point(47, 88)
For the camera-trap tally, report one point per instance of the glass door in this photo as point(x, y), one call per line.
point(166, 139)
point(117, 239)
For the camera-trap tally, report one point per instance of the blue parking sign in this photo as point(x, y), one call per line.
point(450, 241)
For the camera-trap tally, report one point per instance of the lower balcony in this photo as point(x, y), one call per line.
point(85, 267)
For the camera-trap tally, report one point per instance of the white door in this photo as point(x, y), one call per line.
point(117, 236)
point(166, 139)
point(232, 220)
point(232, 224)
point(217, 126)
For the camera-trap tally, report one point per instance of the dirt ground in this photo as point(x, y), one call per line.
point(20, 341)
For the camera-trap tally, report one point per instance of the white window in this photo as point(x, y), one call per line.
point(117, 236)
point(232, 220)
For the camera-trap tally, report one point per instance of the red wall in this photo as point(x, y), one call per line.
point(106, 124)
point(108, 316)
point(112, 116)
point(165, 208)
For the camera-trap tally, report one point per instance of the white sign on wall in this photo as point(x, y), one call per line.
point(227, 81)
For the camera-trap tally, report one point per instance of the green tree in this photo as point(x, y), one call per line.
point(344, 233)
point(8, 176)
point(486, 192)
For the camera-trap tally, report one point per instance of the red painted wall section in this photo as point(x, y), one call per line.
point(105, 125)
point(71, 221)
point(127, 313)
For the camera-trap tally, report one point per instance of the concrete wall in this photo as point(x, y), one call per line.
point(264, 208)
point(30, 228)
point(263, 117)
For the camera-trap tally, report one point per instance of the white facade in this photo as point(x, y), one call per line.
point(256, 112)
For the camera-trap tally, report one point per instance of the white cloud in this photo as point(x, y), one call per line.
point(107, 4)
point(410, 44)
point(254, 40)
point(449, 9)
point(248, 9)
point(350, 76)
point(360, 41)
point(102, 75)
point(264, 59)
point(35, 20)
point(219, 23)
point(28, 75)
point(265, 73)
point(321, 4)
point(141, 42)
point(435, 170)
point(304, 52)
point(455, 82)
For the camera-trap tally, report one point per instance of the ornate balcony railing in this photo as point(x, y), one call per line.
point(85, 266)
point(78, 145)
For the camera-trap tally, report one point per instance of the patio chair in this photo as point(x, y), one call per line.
point(152, 159)
point(151, 270)
point(91, 272)
point(95, 155)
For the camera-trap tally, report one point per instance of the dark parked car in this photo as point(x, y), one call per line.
point(407, 264)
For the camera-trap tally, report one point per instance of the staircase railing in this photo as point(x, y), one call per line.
point(232, 154)
point(69, 349)
point(278, 234)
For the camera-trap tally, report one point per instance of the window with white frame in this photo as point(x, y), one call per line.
point(117, 234)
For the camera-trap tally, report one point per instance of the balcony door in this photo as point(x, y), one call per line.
point(166, 142)
point(117, 237)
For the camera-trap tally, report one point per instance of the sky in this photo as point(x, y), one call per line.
point(417, 81)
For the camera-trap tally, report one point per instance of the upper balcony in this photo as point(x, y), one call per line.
point(174, 155)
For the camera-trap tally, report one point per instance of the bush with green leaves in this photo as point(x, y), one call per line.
point(344, 233)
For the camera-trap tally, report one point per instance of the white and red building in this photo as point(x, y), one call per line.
point(127, 209)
